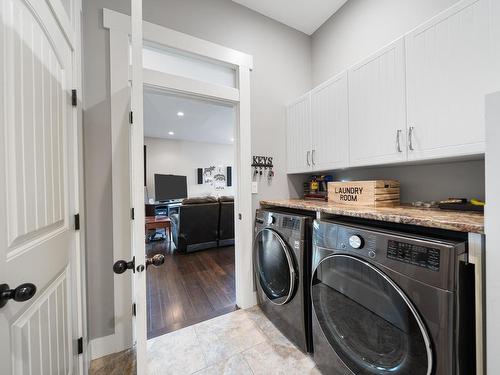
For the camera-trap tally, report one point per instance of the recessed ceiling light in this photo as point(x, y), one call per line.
point(232, 139)
point(170, 133)
point(180, 114)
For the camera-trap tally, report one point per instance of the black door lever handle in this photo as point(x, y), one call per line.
point(22, 293)
point(121, 266)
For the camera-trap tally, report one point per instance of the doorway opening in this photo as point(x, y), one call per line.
point(189, 186)
point(178, 63)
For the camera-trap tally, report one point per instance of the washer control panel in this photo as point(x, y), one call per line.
point(422, 256)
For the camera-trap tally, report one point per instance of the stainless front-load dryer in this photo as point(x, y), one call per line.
point(282, 272)
point(390, 302)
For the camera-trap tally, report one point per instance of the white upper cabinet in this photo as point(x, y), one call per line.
point(298, 135)
point(452, 63)
point(377, 108)
point(330, 127)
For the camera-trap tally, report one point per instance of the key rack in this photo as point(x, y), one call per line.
point(263, 163)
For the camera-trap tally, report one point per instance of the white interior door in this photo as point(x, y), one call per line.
point(137, 188)
point(38, 190)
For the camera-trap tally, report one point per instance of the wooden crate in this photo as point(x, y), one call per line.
point(376, 193)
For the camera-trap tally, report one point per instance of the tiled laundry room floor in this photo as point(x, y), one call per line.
point(241, 342)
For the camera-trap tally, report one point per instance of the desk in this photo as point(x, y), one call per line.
point(162, 209)
point(158, 222)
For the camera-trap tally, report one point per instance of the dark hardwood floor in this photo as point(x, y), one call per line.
point(189, 287)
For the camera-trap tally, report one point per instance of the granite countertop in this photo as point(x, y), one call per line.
point(471, 222)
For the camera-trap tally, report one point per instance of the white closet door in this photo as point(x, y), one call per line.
point(329, 113)
point(377, 108)
point(452, 63)
point(38, 193)
point(298, 135)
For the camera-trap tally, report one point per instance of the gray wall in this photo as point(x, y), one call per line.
point(282, 59)
point(97, 170)
point(361, 27)
point(422, 182)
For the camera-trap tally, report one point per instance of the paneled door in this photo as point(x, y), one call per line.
point(298, 135)
point(453, 61)
point(377, 108)
point(38, 189)
point(330, 126)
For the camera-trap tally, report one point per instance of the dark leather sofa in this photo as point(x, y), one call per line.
point(203, 223)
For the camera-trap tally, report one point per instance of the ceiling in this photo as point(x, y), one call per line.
point(203, 121)
point(304, 15)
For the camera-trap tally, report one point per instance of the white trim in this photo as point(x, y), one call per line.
point(80, 276)
point(154, 78)
point(174, 39)
point(119, 26)
point(103, 346)
point(245, 295)
point(476, 257)
point(136, 184)
point(120, 177)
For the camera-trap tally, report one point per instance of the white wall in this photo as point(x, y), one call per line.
point(282, 59)
point(492, 226)
point(361, 27)
point(169, 156)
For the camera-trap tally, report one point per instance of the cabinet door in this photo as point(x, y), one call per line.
point(329, 114)
point(452, 63)
point(298, 135)
point(377, 108)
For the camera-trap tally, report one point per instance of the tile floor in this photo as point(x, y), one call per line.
point(241, 342)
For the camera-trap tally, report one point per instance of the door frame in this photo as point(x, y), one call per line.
point(119, 26)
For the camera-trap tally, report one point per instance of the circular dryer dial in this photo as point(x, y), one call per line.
point(356, 242)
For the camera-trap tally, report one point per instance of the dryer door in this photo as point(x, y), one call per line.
point(368, 320)
point(275, 266)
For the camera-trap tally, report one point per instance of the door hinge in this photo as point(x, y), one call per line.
point(132, 213)
point(79, 343)
point(77, 221)
point(74, 98)
point(131, 117)
point(239, 216)
point(134, 309)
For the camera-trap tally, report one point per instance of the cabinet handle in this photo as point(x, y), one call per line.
point(312, 157)
point(307, 158)
point(410, 138)
point(398, 140)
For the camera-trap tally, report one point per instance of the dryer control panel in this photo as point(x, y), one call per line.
point(422, 256)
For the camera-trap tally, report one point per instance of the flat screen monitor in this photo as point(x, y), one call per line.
point(170, 187)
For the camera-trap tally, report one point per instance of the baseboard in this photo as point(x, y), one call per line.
point(105, 345)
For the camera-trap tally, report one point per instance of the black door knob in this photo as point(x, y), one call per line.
point(121, 266)
point(22, 293)
point(156, 260)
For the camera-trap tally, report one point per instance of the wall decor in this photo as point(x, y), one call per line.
point(216, 176)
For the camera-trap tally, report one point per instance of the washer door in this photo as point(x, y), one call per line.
point(275, 266)
point(368, 320)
